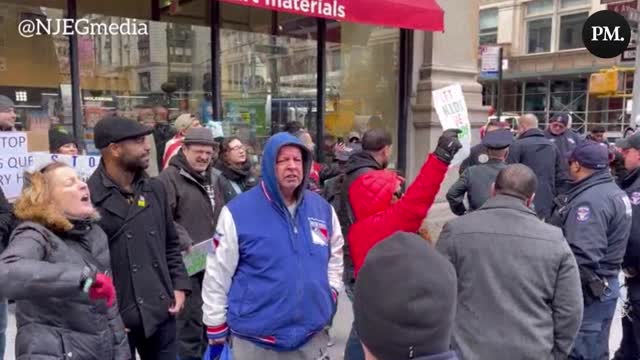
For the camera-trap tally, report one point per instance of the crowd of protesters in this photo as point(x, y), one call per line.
point(529, 269)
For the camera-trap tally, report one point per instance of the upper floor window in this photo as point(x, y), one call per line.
point(489, 26)
point(552, 25)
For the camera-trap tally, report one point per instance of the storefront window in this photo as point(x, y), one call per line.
point(268, 73)
point(535, 100)
point(34, 72)
point(362, 94)
point(162, 71)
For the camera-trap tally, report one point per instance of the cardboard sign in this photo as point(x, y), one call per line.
point(14, 158)
point(83, 164)
point(37, 141)
point(452, 111)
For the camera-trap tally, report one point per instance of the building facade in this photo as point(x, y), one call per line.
point(548, 66)
point(249, 69)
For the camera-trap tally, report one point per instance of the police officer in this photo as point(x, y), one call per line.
point(595, 216)
point(150, 277)
point(630, 345)
point(478, 153)
point(476, 180)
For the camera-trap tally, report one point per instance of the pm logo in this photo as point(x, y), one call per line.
point(606, 34)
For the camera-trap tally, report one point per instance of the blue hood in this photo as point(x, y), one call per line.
point(271, 149)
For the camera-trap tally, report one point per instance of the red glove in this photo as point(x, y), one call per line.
point(102, 288)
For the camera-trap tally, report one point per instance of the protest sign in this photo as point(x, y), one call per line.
point(14, 158)
point(83, 164)
point(452, 111)
point(196, 260)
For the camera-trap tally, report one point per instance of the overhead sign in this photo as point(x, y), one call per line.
point(622, 7)
point(452, 112)
point(628, 55)
point(489, 61)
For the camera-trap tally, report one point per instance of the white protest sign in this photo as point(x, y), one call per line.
point(83, 164)
point(452, 111)
point(14, 158)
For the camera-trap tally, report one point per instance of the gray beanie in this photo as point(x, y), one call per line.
point(5, 103)
point(199, 136)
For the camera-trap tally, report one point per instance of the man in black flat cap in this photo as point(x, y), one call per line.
point(476, 180)
point(150, 277)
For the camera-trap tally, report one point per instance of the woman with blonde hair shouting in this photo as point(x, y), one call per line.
point(56, 268)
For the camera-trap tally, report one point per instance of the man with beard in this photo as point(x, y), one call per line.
point(560, 133)
point(189, 180)
point(150, 277)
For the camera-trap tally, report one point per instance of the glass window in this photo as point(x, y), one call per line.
point(151, 77)
point(362, 94)
point(539, 7)
point(268, 78)
point(571, 30)
point(489, 26)
point(539, 36)
point(34, 72)
point(564, 4)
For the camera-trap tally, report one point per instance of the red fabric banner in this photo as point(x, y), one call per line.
point(409, 14)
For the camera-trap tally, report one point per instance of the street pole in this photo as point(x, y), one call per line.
point(499, 100)
point(635, 105)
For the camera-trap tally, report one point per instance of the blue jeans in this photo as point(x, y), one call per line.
point(3, 326)
point(353, 349)
point(592, 342)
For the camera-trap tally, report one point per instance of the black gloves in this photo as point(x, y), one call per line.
point(448, 145)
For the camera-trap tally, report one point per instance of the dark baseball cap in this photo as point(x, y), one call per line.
point(629, 142)
point(114, 129)
point(591, 154)
point(498, 139)
point(561, 118)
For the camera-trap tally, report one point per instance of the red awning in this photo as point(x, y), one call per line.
point(409, 14)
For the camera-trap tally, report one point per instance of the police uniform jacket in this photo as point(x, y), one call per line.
point(476, 183)
point(535, 151)
point(145, 251)
point(596, 222)
point(477, 155)
point(631, 185)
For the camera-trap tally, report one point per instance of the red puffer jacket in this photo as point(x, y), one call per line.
point(376, 218)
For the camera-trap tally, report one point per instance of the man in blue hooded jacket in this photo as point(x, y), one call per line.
point(272, 284)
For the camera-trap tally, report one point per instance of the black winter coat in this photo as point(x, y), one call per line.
point(543, 157)
point(42, 271)
point(195, 203)
point(145, 250)
point(631, 185)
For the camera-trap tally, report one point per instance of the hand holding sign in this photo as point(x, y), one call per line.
point(452, 112)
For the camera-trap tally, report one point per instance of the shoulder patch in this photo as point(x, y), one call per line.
point(572, 141)
point(483, 158)
point(635, 198)
point(583, 213)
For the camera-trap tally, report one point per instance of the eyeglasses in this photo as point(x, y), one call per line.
point(237, 148)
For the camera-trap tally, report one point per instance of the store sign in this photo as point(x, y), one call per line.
point(423, 15)
point(489, 61)
point(622, 7)
point(452, 112)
